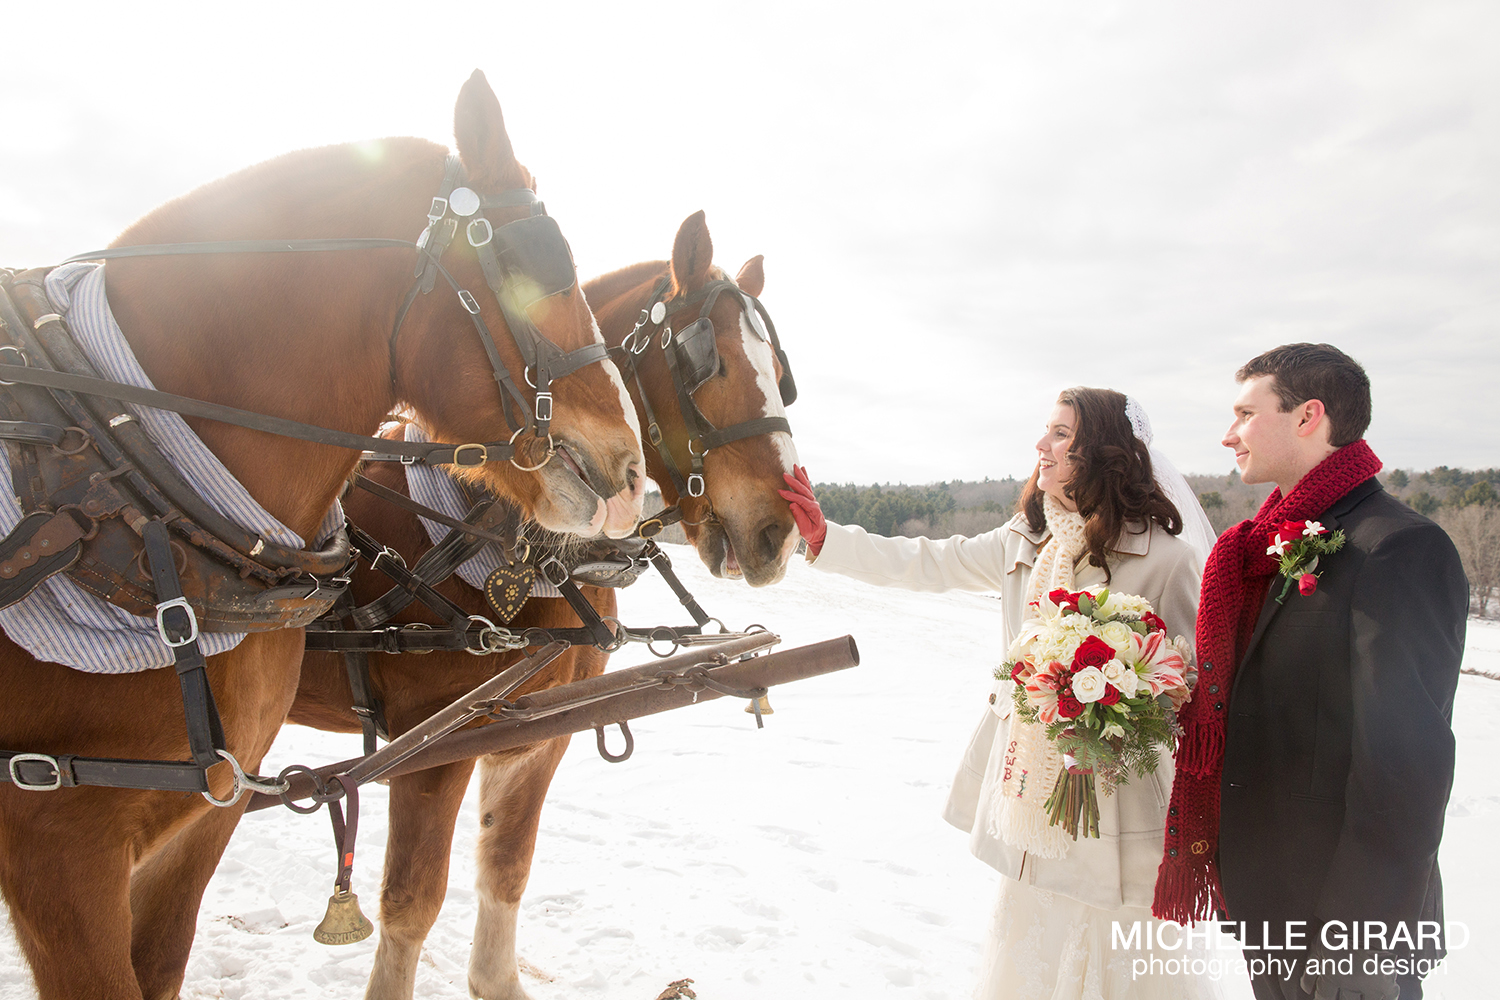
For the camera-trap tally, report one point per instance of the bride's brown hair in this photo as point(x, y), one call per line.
point(1112, 482)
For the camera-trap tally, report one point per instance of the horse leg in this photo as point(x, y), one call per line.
point(512, 789)
point(64, 872)
point(423, 810)
point(166, 887)
point(165, 892)
point(253, 685)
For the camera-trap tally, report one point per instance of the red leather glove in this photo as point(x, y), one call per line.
point(805, 509)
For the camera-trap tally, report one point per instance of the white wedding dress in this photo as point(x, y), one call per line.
point(1046, 946)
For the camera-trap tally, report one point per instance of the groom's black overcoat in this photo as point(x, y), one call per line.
point(1339, 747)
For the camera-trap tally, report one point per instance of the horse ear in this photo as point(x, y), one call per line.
point(483, 144)
point(692, 253)
point(752, 277)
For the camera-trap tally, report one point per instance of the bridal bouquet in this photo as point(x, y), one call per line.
point(1099, 672)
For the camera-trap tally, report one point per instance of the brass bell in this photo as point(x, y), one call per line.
point(765, 706)
point(343, 923)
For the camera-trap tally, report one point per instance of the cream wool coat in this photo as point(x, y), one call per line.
point(1119, 868)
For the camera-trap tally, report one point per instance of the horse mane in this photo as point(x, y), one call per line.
point(294, 193)
point(607, 288)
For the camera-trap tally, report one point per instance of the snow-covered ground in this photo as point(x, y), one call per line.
point(807, 859)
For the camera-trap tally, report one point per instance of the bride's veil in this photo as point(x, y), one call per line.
point(1196, 529)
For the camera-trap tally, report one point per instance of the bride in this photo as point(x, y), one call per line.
point(1101, 509)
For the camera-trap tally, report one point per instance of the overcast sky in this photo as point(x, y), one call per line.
point(963, 207)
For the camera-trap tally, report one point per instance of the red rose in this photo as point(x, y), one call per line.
point(1153, 622)
point(1015, 671)
point(1292, 529)
point(1111, 695)
point(1063, 599)
point(1093, 652)
point(1068, 707)
point(1307, 584)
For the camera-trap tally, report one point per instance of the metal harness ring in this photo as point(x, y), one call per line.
point(246, 783)
point(551, 450)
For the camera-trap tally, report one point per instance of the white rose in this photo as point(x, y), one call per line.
point(1117, 634)
point(1126, 604)
point(1121, 677)
point(1089, 684)
point(1184, 647)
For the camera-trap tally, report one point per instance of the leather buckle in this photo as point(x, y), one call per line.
point(544, 406)
point(458, 455)
point(41, 758)
point(653, 434)
point(469, 301)
point(695, 485)
point(553, 571)
point(161, 622)
point(438, 210)
point(650, 528)
point(489, 232)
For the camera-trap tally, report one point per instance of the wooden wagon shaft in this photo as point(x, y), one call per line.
point(466, 709)
point(611, 698)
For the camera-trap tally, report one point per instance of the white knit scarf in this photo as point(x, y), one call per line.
point(1017, 811)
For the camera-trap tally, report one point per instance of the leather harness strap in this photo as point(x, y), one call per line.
point(178, 627)
point(435, 453)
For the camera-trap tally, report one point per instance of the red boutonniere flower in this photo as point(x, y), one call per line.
point(1297, 546)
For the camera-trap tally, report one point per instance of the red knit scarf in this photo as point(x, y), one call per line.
point(1235, 581)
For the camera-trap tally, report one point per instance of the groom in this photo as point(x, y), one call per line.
point(1318, 754)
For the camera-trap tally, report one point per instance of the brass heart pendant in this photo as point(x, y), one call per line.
point(507, 589)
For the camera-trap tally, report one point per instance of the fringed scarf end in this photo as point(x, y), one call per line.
point(1029, 829)
point(1184, 892)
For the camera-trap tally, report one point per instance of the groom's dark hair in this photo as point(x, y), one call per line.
point(1300, 372)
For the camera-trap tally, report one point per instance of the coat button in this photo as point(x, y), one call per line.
point(1171, 852)
point(1218, 706)
point(1213, 689)
point(1207, 667)
point(1172, 830)
point(992, 697)
point(1173, 810)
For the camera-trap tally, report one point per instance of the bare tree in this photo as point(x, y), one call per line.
point(1475, 531)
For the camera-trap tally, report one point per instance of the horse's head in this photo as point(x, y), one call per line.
point(708, 362)
point(578, 465)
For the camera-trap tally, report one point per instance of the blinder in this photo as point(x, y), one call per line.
point(697, 353)
point(698, 350)
point(535, 259)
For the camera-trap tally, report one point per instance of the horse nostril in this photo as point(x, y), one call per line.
point(635, 480)
point(771, 538)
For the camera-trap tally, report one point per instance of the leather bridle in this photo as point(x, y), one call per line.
point(692, 358)
point(523, 262)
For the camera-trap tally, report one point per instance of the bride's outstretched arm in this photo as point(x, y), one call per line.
point(977, 563)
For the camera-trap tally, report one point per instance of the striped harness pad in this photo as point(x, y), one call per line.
point(61, 622)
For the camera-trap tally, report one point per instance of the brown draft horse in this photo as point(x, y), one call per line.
point(741, 487)
point(103, 885)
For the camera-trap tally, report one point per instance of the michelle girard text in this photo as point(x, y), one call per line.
point(1294, 935)
point(1281, 950)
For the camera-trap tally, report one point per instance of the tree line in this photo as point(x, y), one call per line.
point(1466, 503)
